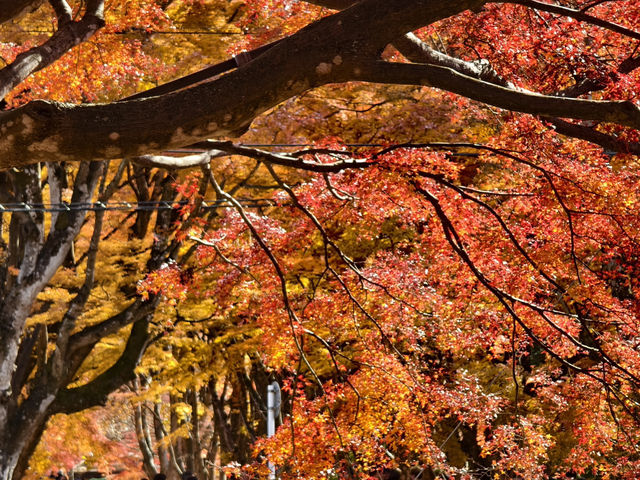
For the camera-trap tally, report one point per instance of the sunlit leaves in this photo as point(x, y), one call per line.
point(467, 306)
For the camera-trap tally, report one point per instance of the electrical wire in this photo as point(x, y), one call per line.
point(143, 31)
point(125, 206)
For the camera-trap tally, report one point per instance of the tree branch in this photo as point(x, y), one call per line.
point(333, 4)
point(314, 56)
point(589, 134)
point(90, 335)
point(96, 391)
point(169, 162)
point(285, 160)
point(620, 112)
point(331, 50)
point(68, 35)
point(579, 15)
point(16, 305)
point(414, 49)
point(417, 51)
point(62, 10)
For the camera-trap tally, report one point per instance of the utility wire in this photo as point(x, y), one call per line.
point(143, 31)
point(178, 32)
point(125, 206)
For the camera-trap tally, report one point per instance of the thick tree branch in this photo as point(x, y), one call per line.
point(95, 8)
point(417, 51)
point(169, 162)
point(330, 50)
point(89, 336)
point(589, 134)
point(15, 306)
point(622, 113)
point(27, 189)
point(333, 4)
point(96, 391)
point(25, 361)
point(58, 361)
point(63, 11)
point(414, 49)
point(316, 55)
point(143, 434)
point(206, 74)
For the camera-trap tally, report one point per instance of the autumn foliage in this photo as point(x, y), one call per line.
point(441, 287)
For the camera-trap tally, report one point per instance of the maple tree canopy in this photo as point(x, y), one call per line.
point(420, 216)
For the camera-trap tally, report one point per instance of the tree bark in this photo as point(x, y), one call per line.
point(38, 365)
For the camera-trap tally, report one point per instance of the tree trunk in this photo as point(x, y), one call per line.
point(38, 363)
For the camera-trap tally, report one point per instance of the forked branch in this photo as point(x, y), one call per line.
point(69, 34)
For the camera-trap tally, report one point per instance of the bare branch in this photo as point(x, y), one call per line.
point(224, 258)
point(90, 335)
point(414, 49)
point(169, 162)
point(96, 391)
point(418, 51)
point(285, 160)
point(589, 134)
point(293, 318)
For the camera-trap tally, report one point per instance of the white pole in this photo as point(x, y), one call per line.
point(271, 414)
point(271, 421)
